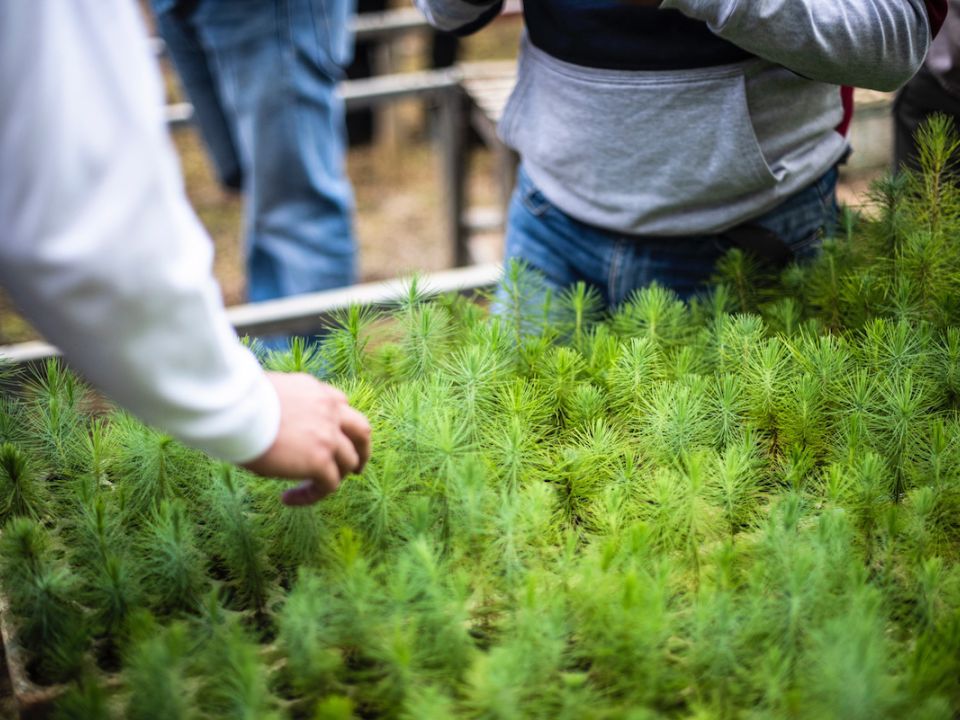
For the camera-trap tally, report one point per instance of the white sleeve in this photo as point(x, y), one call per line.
point(876, 44)
point(98, 244)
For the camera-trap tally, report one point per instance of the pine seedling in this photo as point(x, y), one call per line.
point(783, 316)
point(97, 459)
point(475, 374)
point(685, 363)
point(525, 529)
point(718, 648)
point(802, 415)
point(234, 682)
point(426, 334)
point(423, 701)
point(584, 468)
point(890, 194)
point(527, 401)
point(848, 670)
point(623, 620)
point(893, 348)
point(736, 339)
point(56, 403)
point(938, 145)
point(925, 278)
point(50, 624)
point(601, 349)
point(767, 377)
point(87, 700)
point(14, 426)
point(156, 674)
point(515, 450)
point(469, 508)
point(586, 405)
point(638, 367)
point(796, 468)
point(26, 549)
point(153, 468)
point(519, 677)
point(173, 569)
point(927, 523)
point(905, 404)
point(677, 418)
point(379, 501)
point(522, 300)
point(933, 668)
point(742, 274)
point(294, 536)
point(727, 396)
point(308, 638)
point(823, 287)
point(737, 484)
point(236, 541)
point(23, 489)
point(110, 587)
point(945, 370)
point(559, 374)
point(301, 356)
point(345, 346)
point(656, 313)
point(431, 600)
point(579, 308)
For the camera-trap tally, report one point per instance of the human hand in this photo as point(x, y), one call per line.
point(321, 438)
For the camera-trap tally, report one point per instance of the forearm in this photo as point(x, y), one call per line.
point(875, 44)
point(459, 16)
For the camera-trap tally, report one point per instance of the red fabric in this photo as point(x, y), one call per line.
point(937, 13)
point(846, 96)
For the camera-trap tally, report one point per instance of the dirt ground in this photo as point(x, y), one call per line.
point(396, 182)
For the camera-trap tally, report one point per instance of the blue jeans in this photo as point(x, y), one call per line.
point(566, 250)
point(262, 75)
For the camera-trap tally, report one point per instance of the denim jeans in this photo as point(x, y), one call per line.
point(262, 75)
point(566, 250)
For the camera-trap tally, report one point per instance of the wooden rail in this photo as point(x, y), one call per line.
point(307, 314)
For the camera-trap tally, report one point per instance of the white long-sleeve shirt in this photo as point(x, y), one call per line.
point(98, 244)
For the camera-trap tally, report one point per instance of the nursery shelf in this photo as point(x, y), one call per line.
point(306, 314)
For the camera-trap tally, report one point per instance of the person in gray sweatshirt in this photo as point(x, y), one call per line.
point(655, 136)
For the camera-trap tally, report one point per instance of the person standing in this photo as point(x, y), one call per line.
point(262, 77)
point(656, 136)
point(934, 89)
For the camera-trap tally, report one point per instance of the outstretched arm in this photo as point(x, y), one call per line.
point(876, 44)
point(101, 250)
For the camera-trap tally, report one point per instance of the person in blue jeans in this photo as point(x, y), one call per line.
point(262, 75)
point(655, 135)
point(566, 250)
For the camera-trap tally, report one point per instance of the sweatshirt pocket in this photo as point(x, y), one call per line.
point(637, 146)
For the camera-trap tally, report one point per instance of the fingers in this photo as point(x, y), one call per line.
point(356, 427)
point(325, 481)
point(346, 455)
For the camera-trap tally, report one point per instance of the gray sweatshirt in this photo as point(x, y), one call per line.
point(684, 151)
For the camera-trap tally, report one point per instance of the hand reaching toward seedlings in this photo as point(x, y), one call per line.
point(321, 438)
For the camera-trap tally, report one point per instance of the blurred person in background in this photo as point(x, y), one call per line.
point(102, 252)
point(262, 76)
point(934, 89)
point(656, 136)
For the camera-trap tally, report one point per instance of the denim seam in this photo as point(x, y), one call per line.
point(614, 272)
